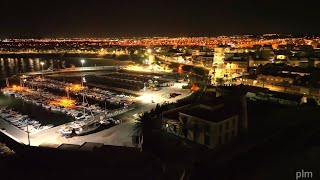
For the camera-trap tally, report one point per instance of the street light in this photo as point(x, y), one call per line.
point(83, 80)
point(28, 133)
point(82, 61)
point(42, 63)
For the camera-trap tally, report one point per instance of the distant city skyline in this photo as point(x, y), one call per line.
point(21, 19)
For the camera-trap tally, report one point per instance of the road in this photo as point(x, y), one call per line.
point(119, 135)
point(271, 87)
point(68, 70)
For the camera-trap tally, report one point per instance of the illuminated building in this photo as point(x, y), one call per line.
point(217, 69)
point(211, 123)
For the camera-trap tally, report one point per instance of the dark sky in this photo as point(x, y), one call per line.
point(92, 18)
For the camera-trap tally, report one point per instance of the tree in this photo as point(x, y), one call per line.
point(263, 81)
point(192, 77)
point(285, 84)
point(220, 81)
point(138, 127)
point(184, 127)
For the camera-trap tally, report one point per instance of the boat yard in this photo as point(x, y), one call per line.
point(96, 114)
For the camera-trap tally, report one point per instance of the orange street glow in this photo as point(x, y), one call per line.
point(18, 88)
point(180, 69)
point(69, 103)
point(75, 87)
point(195, 88)
point(150, 68)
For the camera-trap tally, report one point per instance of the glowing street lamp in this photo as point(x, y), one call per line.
point(149, 51)
point(42, 63)
point(82, 61)
point(83, 80)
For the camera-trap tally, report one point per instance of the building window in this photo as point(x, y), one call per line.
point(207, 129)
point(195, 131)
point(175, 128)
point(227, 136)
point(220, 140)
point(207, 140)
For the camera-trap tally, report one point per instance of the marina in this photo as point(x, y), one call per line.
point(23, 122)
point(77, 107)
point(83, 117)
point(95, 95)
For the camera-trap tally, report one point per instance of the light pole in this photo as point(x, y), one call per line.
point(28, 133)
point(230, 72)
point(24, 81)
point(42, 63)
point(83, 80)
point(82, 61)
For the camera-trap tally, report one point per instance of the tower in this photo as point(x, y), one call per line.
point(218, 62)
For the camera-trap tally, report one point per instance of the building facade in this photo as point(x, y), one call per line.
point(211, 124)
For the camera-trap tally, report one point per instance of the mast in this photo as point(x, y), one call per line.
point(84, 109)
point(7, 82)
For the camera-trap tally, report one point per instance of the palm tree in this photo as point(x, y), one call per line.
point(138, 127)
point(192, 77)
point(220, 81)
point(184, 127)
point(263, 81)
point(285, 84)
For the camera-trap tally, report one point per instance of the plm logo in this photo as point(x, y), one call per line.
point(304, 174)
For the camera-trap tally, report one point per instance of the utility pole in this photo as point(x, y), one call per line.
point(28, 133)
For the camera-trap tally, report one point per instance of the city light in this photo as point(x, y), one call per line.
point(75, 87)
point(195, 88)
point(150, 68)
point(82, 62)
point(147, 98)
point(69, 103)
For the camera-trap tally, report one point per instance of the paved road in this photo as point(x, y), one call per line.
point(76, 69)
point(13, 132)
point(274, 88)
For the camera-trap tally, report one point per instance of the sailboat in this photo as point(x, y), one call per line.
point(90, 125)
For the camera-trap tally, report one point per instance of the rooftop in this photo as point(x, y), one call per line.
point(214, 116)
point(286, 96)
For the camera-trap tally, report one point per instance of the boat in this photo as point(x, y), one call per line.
point(42, 128)
point(87, 128)
point(66, 131)
point(104, 122)
point(55, 109)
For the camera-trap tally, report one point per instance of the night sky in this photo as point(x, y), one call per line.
point(156, 18)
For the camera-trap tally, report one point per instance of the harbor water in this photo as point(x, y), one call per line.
point(12, 66)
point(38, 113)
